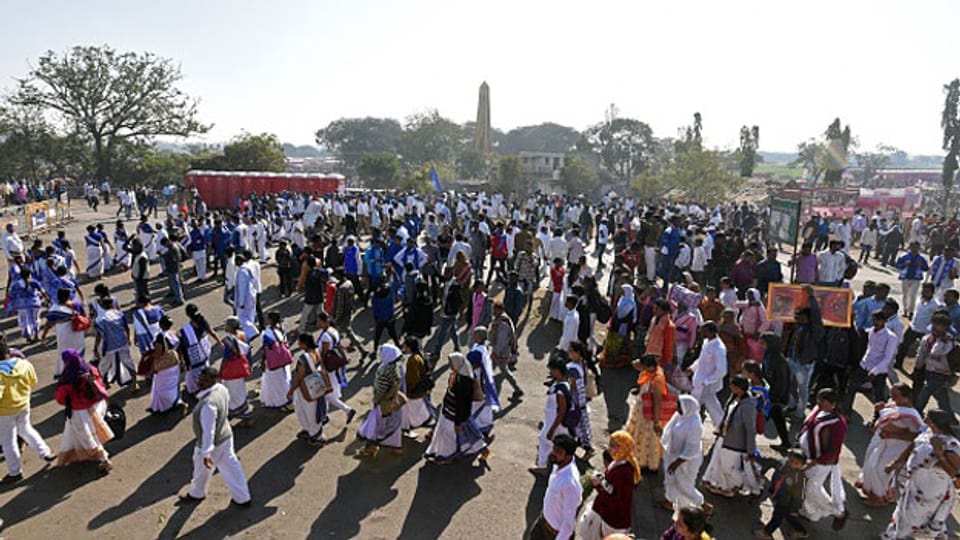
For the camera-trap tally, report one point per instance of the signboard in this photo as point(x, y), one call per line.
point(36, 216)
point(836, 303)
point(784, 220)
point(682, 295)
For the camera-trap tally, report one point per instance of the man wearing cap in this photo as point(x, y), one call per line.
point(564, 494)
point(12, 245)
point(214, 448)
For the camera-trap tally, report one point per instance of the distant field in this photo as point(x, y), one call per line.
point(777, 170)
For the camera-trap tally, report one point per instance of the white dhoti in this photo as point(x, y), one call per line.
point(200, 263)
point(731, 471)
point(274, 385)
point(225, 460)
point(29, 320)
point(418, 412)
point(238, 406)
point(817, 503)
point(545, 445)
point(650, 260)
point(306, 412)
point(165, 390)
point(117, 367)
point(592, 526)
point(446, 444)
point(248, 317)
point(680, 486)
point(707, 396)
point(84, 434)
point(556, 306)
point(877, 482)
point(94, 262)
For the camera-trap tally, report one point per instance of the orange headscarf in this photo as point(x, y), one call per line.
point(624, 452)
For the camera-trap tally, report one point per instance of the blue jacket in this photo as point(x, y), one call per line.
point(382, 308)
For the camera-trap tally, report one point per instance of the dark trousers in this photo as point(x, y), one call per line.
point(780, 422)
point(286, 281)
point(781, 514)
point(391, 328)
point(500, 267)
point(864, 254)
point(141, 287)
point(541, 530)
point(616, 385)
point(830, 376)
point(878, 392)
point(909, 338)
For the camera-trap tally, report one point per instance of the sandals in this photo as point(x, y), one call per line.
point(105, 466)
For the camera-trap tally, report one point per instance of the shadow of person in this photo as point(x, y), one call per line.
point(542, 340)
point(535, 503)
point(152, 490)
point(364, 490)
point(44, 490)
point(432, 508)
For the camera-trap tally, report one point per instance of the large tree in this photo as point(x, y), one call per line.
point(510, 175)
point(430, 137)
point(247, 152)
point(577, 176)
point(837, 144)
point(950, 122)
point(870, 162)
point(811, 156)
point(695, 174)
point(379, 170)
point(30, 146)
point(546, 137)
point(352, 138)
point(747, 153)
point(625, 145)
point(112, 97)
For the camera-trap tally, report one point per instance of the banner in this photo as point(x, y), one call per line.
point(36, 216)
point(681, 295)
point(784, 220)
point(836, 303)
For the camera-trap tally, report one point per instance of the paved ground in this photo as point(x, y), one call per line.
point(300, 492)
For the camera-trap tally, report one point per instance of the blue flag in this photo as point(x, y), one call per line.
point(435, 178)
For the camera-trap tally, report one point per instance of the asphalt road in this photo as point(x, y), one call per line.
point(302, 492)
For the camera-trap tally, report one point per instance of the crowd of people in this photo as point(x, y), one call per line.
point(660, 310)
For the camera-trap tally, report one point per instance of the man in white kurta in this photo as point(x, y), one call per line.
point(245, 300)
point(708, 372)
point(214, 449)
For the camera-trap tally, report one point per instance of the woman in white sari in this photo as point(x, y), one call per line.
point(311, 412)
point(682, 455)
point(933, 465)
point(275, 381)
point(82, 393)
point(893, 433)
point(166, 366)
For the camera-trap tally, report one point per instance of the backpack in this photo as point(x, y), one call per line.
point(571, 420)
point(335, 358)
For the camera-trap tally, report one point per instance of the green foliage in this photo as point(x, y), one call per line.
point(695, 174)
point(430, 137)
point(812, 156)
point(835, 159)
point(352, 138)
point(747, 153)
point(871, 162)
point(418, 178)
point(692, 135)
point(142, 164)
point(247, 152)
point(625, 145)
point(379, 170)
point(546, 137)
point(510, 175)
point(471, 164)
point(31, 148)
point(577, 176)
point(112, 97)
point(950, 122)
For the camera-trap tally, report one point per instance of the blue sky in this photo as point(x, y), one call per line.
point(291, 67)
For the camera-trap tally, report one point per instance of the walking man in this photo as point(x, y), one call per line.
point(214, 449)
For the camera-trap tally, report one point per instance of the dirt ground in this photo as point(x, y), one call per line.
point(302, 492)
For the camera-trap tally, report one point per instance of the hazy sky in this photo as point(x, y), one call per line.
point(291, 67)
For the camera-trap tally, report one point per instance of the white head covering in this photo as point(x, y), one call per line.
point(460, 365)
point(753, 294)
point(681, 436)
point(627, 302)
point(389, 353)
